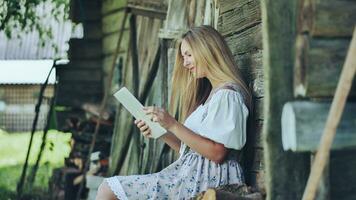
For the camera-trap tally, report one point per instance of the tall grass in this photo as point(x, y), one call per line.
point(13, 149)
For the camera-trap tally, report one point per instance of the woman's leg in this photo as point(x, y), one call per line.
point(104, 192)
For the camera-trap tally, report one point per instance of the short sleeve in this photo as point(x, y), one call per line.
point(226, 119)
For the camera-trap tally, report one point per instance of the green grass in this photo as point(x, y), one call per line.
point(13, 149)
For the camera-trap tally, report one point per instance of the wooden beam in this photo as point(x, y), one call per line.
point(286, 172)
point(303, 123)
point(246, 41)
point(327, 18)
point(318, 65)
point(238, 15)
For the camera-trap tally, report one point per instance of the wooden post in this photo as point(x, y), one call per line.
point(337, 106)
point(286, 172)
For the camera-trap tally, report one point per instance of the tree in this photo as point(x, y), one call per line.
point(18, 16)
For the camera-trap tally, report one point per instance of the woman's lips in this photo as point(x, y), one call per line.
point(192, 69)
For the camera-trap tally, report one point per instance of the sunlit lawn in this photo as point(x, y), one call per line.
point(13, 148)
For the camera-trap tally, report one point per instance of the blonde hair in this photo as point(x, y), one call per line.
point(211, 52)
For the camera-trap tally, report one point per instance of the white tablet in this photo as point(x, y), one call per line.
point(129, 101)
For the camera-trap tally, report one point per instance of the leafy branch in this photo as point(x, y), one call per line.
point(24, 16)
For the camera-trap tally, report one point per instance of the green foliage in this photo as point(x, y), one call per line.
point(18, 16)
point(12, 156)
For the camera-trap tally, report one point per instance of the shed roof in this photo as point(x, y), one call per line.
point(26, 71)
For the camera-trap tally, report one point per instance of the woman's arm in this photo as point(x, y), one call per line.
point(214, 151)
point(170, 139)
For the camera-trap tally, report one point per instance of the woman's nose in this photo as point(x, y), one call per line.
point(186, 63)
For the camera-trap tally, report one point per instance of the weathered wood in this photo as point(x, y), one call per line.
point(176, 21)
point(304, 121)
point(318, 65)
point(251, 67)
point(246, 41)
point(285, 171)
point(91, 8)
point(151, 13)
point(110, 42)
point(236, 16)
point(328, 18)
point(156, 5)
point(333, 119)
point(88, 92)
point(85, 64)
point(111, 23)
point(69, 74)
point(112, 5)
point(93, 30)
point(83, 49)
point(259, 108)
point(238, 192)
point(323, 192)
point(122, 157)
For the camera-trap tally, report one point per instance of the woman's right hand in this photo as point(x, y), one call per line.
point(144, 129)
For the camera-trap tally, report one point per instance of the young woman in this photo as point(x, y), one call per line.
point(213, 102)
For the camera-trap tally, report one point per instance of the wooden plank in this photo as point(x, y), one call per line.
point(176, 21)
point(246, 41)
point(237, 16)
point(93, 30)
point(111, 5)
point(323, 192)
point(328, 18)
point(90, 8)
point(318, 66)
point(112, 23)
point(110, 42)
point(304, 121)
point(286, 172)
point(81, 49)
point(89, 88)
point(85, 64)
point(259, 115)
point(66, 74)
point(251, 67)
point(159, 6)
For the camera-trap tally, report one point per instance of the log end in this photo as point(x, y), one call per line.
point(289, 138)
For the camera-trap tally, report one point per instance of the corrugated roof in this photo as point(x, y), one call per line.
point(27, 46)
point(26, 71)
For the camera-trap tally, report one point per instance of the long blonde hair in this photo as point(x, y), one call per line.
point(211, 52)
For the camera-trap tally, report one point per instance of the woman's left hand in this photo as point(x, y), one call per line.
point(161, 116)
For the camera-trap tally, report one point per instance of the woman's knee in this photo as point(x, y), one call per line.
point(104, 192)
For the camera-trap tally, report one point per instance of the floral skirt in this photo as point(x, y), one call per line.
point(188, 176)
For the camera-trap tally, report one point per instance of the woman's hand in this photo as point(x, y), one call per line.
point(144, 129)
point(161, 116)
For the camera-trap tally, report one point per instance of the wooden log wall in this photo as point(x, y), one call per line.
point(324, 30)
point(240, 23)
point(80, 81)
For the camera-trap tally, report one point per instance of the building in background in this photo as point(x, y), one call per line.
point(20, 83)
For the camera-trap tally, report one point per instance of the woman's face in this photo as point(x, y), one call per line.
point(189, 61)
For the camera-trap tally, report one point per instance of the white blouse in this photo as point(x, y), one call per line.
point(222, 119)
